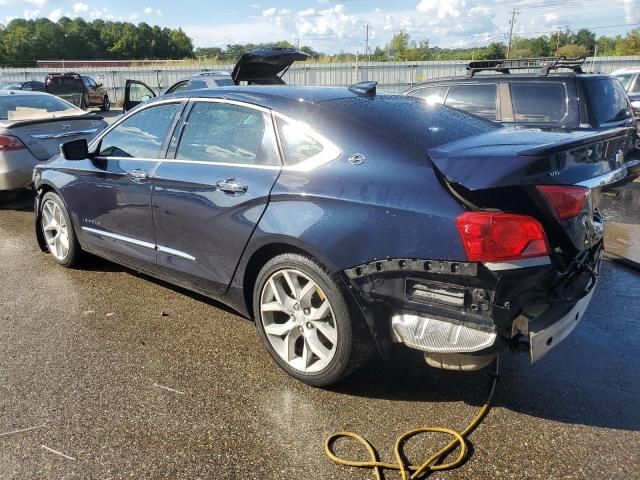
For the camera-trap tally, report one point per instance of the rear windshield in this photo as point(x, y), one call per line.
point(543, 102)
point(412, 119)
point(606, 101)
point(63, 84)
point(26, 107)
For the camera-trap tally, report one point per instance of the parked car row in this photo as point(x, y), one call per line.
point(344, 220)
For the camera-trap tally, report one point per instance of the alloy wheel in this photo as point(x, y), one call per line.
point(56, 230)
point(298, 321)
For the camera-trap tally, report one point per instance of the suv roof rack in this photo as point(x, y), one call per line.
point(545, 64)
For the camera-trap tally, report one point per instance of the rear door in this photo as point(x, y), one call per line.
point(111, 192)
point(135, 93)
point(212, 190)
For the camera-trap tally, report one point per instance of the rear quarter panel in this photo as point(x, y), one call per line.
point(392, 206)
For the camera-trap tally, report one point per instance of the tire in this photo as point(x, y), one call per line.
point(314, 343)
point(56, 226)
point(106, 104)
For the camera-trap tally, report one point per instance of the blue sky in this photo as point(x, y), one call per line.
point(333, 26)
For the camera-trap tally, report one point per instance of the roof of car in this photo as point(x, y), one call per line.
point(514, 76)
point(271, 95)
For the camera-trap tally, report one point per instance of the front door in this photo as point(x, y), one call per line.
point(111, 194)
point(135, 93)
point(212, 190)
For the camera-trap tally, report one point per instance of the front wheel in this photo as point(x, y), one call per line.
point(106, 104)
point(307, 322)
point(58, 231)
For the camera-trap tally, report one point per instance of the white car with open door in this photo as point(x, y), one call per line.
point(264, 66)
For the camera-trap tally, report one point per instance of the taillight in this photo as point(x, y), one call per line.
point(491, 237)
point(566, 201)
point(9, 143)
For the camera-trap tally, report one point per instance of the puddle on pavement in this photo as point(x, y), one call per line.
point(621, 210)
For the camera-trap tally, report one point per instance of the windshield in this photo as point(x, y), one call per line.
point(27, 107)
point(625, 79)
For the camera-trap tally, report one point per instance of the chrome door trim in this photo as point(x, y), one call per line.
point(53, 135)
point(177, 253)
point(122, 238)
point(140, 243)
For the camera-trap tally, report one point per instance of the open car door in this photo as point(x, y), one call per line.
point(266, 66)
point(135, 93)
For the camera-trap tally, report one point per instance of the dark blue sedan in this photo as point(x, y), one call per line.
point(343, 221)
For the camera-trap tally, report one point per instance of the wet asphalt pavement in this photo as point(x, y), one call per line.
point(117, 376)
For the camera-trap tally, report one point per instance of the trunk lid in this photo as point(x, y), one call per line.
point(43, 137)
point(265, 66)
point(509, 157)
point(503, 169)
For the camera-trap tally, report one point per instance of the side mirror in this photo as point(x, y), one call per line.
point(75, 149)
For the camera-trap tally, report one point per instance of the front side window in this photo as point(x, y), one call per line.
point(479, 99)
point(434, 95)
point(544, 102)
point(223, 133)
point(141, 135)
point(197, 84)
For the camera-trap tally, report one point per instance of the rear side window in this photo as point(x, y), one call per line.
point(544, 102)
point(141, 135)
point(224, 133)
point(606, 101)
point(478, 99)
point(197, 84)
point(433, 94)
point(297, 143)
point(625, 79)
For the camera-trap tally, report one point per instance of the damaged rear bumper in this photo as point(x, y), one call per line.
point(454, 309)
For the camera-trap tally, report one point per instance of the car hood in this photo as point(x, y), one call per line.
point(265, 65)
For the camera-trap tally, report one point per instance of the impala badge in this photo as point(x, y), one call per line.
point(66, 126)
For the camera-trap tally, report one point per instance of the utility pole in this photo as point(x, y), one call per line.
point(366, 42)
point(513, 13)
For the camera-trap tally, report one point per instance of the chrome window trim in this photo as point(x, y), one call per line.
point(329, 153)
point(192, 162)
point(140, 243)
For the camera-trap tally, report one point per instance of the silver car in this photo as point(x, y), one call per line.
point(32, 127)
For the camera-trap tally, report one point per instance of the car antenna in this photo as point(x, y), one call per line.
point(364, 88)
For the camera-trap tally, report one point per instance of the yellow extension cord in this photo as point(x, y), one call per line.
point(412, 472)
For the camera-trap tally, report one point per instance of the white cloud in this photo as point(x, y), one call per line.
point(31, 14)
point(269, 12)
point(80, 7)
point(55, 15)
point(133, 16)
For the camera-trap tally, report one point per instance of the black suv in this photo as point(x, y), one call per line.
point(547, 99)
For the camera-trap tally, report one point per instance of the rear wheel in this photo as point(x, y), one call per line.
point(106, 104)
point(58, 231)
point(306, 321)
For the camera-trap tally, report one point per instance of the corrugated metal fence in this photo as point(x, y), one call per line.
point(391, 76)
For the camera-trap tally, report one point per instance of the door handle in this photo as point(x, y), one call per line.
point(138, 174)
point(231, 186)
